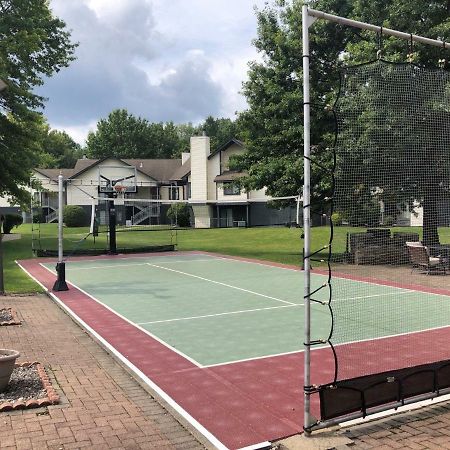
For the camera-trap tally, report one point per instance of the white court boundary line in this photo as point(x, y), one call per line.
point(153, 386)
point(134, 324)
point(129, 256)
point(336, 277)
point(113, 266)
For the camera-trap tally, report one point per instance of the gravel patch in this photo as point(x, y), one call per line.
point(25, 384)
point(5, 315)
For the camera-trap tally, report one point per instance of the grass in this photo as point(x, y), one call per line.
point(279, 244)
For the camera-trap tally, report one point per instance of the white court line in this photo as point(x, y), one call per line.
point(134, 324)
point(219, 314)
point(333, 277)
point(79, 261)
point(260, 309)
point(153, 386)
point(372, 296)
point(112, 266)
point(321, 347)
point(223, 284)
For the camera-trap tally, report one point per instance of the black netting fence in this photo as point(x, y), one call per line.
point(390, 301)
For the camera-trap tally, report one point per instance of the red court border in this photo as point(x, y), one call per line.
point(243, 403)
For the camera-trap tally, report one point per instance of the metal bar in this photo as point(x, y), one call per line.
point(60, 217)
point(306, 217)
point(377, 29)
point(60, 283)
point(378, 409)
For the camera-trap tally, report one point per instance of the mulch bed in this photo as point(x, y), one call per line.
point(8, 317)
point(29, 387)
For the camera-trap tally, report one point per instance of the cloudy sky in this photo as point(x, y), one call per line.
point(178, 60)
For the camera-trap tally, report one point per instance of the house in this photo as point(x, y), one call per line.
point(201, 177)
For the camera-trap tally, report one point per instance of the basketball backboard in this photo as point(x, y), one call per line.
point(111, 177)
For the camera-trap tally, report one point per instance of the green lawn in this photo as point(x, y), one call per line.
point(273, 244)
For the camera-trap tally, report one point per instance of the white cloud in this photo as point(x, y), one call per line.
point(162, 59)
point(77, 132)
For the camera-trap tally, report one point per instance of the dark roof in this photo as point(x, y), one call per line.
point(182, 171)
point(158, 169)
point(225, 146)
point(84, 163)
point(52, 174)
point(229, 176)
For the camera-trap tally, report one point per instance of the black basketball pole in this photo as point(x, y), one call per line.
point(60, 283)
point(112, 224)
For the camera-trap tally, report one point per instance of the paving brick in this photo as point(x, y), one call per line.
point(105, 407)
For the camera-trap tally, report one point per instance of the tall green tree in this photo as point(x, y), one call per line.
point(124, 135)
point(33, 44)
point(59, 150)
point(220, 130)
point(273, 122)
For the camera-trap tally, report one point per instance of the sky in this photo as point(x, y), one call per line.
point(163, 60)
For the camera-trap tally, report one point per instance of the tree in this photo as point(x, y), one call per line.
point(394, 141)
point(33, 44)
point(54, 149)
point(63, 150)
point(273, 122)
point(220, 130)
point(125, 136)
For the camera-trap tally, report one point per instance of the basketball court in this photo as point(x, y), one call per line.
point(220, 338)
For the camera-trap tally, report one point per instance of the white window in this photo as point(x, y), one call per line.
point(230, 189)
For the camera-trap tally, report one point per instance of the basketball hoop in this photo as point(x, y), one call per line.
point(119, 190)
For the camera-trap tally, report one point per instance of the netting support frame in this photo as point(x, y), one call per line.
point(309, 16)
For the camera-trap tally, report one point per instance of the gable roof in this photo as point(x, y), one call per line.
point(158, 169)
point(53, 174)
point(229, 175)
point(228, 144)
point(182, 171)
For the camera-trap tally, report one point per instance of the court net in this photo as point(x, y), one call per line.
point(392, 202)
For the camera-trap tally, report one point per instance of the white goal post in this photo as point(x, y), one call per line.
point(309, 16)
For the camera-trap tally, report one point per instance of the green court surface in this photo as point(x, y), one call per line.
point(217, 310)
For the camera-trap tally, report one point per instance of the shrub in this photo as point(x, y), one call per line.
point(39, 217)
point(74, 216)
point(337, 218)
point(10, 221)
point(178, 213)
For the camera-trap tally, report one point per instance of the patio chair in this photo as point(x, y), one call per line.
point(421, 260)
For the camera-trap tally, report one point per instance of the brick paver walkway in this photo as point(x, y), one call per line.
point(424, 428)
point(103, 406)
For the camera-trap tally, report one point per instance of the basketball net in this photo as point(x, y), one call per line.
point(119, 190)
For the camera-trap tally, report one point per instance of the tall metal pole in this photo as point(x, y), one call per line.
point(2, 282)
point(112, 224)
point(308, 17)
point(60, 283)
point(306, 216)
